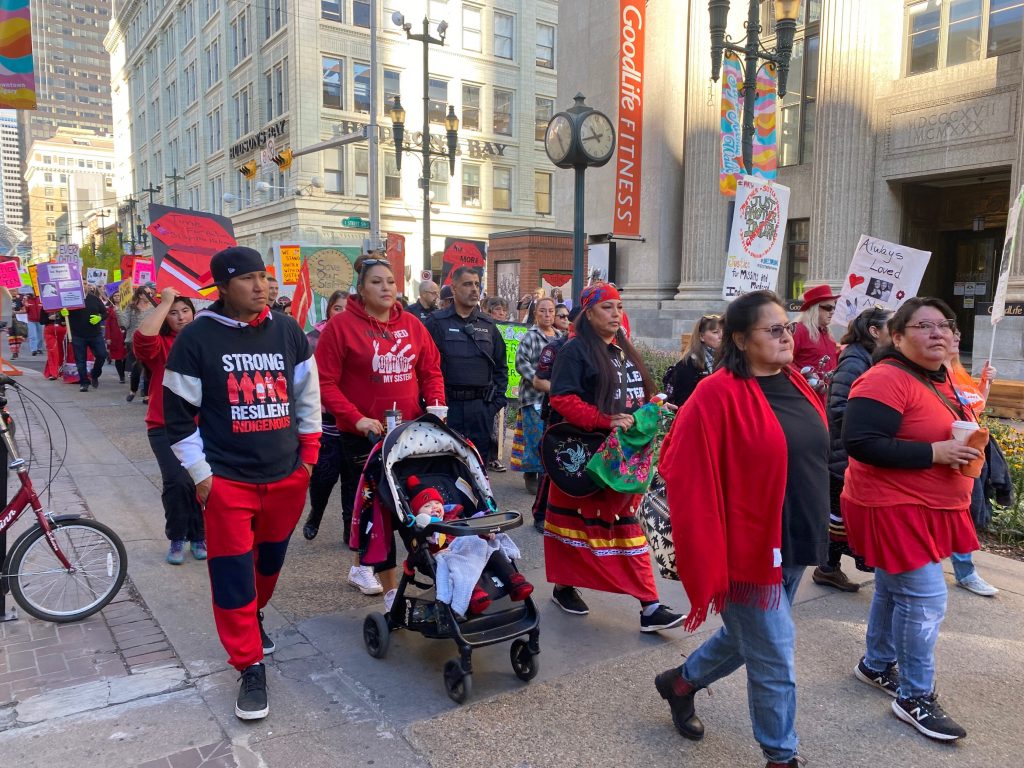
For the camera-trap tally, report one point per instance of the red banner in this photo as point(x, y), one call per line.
point(628, 160)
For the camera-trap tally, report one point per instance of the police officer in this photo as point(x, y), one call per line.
point(472, 360)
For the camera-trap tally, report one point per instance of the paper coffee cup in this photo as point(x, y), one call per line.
point(963, 429)
point(441, 411)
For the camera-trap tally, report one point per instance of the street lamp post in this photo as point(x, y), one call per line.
point(785, 27)
point(451, 122)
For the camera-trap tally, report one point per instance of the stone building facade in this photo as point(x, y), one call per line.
point(902, 121)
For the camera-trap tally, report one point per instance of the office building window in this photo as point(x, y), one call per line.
point(470, 185)
point(192, 145)
point(798, 108)
point(330, 10)
point(798, 235)
point(542, 193)
point(504, 26)
point(191, 84)
point(171, 101)
point(361, 13)
point(392, 87)
point(501, 188)
point(944, 33)
point(241, 103)
point(503, 112)
point(471, 28)
point(213, 129)
point(438, 105)
point(544, 112)
point(275, 16)
point(545, 46)
point(362, 172)
point(240, 37)
point(361, 86)
point(193, 199)
point(188, 21)
point(332, 69)
point(334, 171)
point(439, 182)
point(212, 64)
point(471, 107)
point(48, 178)
point(392, 178)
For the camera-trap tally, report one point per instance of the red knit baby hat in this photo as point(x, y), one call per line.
point(420, 494)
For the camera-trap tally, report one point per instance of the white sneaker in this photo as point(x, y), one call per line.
point(364, 579)
point(974, 583)
point(389, 599)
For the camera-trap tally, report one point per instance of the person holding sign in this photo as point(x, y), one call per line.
point(87, 332)
point(906, 504)
point(813, 345)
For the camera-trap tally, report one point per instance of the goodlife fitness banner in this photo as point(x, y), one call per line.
point(631, 118)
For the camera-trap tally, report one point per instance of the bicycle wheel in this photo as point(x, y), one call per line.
point(48, 590)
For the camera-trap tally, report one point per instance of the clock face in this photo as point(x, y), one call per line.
point(597, 137)
point(558, 139)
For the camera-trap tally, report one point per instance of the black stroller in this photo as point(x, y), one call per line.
point(439, 456)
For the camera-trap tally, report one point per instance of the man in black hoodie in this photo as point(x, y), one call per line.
point(87, 326)
point(242, 409)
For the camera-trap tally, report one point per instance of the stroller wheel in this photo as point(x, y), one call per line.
point(457, 683)
point(376, 635)
point(524, 662)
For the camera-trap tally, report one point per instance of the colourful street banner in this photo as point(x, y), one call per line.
point(766, 151)
point(17, 78)
point(731, 165)
point(629, 153)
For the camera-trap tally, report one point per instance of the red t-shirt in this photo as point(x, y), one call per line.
point(925, 419)
point(152, 352)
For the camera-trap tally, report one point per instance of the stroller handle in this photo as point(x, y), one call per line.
point(475, 526)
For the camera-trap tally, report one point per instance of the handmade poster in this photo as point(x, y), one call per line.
point(512, 333)
point(322, 271)
point(183, 242)
point(463, 253)
point(291, 260)
point(552, 281)
point(60, 286)
point(96, 276)
point(142, 271)
point(9, 277)
point(67, 252)
point(33, 275)
point(755, 242)
point(881, 274)
point(1009, 246)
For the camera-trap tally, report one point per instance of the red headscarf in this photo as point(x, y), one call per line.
point(597, 293)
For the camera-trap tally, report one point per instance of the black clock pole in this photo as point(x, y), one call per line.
point(577, 237)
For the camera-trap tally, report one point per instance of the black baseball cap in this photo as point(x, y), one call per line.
point(234, 262)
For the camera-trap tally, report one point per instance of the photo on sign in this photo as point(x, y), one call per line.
point(880, 289)
point(880, 273)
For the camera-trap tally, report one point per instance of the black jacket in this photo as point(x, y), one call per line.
point(682, 378)
point(473, 353)
point(854, 360)
point(78, 319)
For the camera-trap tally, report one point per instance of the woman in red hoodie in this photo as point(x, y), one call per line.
point(373, 357)
point(151, 345)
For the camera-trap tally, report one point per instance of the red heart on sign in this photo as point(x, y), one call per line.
point(855, 280)
point(900, 294)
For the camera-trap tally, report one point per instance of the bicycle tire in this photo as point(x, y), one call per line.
point(37, 578)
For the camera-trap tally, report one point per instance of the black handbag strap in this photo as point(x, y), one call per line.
point(956, 409)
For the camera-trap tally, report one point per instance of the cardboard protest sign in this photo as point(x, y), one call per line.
point(9, 277)
point(463, 253)
point(96, 276)
point(183, 242)
point(61, 286)
point(291, 262)
point(142, 271)
point(512, 333)
point(881, 274)
point(755, 242)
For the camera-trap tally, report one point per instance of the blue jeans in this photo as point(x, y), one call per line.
point(764, 640)
point(903, 625)
point(99, 352)
point(963, 565)
point(35, 337)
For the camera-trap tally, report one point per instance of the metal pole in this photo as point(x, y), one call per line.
point(750, 83)
point(426, 145)
point(577, 237)
point(373, 136)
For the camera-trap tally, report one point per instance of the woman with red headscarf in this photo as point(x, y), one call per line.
point(596, 541)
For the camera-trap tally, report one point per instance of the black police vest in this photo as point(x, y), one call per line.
point(466, 348)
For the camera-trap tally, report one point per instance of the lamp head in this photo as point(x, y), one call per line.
point(718, 10)
point(398, 19)
point(787, 10)
point(316, 182)
point(397, 112)
point(442, 30)
point(262, 186)
point(451, 122)
point(228, 198)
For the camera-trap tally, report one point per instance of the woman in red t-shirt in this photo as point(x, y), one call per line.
point(907, 506)
point(183, 517)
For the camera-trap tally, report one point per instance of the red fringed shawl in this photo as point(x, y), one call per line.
point(724, 463)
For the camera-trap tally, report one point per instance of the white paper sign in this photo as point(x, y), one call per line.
point(881, 274)
point(67, 252)
point(1009, 246)
point(96, 276)
point(755, 241)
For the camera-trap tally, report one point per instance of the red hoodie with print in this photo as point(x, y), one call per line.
point(367, 366)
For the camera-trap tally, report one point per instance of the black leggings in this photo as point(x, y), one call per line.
point(341, 459)
point(183, 517)
point(139, 375)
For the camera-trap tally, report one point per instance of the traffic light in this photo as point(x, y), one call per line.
point(248, 169)
point(284, 160)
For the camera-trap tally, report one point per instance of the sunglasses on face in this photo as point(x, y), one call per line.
point(562, 317)
point(828, 307)
point(776, 331)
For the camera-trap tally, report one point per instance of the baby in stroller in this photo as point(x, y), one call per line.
point(465, 560)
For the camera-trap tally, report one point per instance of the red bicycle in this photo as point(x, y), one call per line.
point(65, 567)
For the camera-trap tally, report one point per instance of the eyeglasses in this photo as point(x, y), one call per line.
point(367, 263)
point(777, 330)
point(562, 317)
point(828, 307)
point(946, 326)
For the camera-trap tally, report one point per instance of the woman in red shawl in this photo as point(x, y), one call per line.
point(596, 542)
point(746, 472)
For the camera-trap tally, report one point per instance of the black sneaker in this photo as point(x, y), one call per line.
point(679, 695)
point(251, 703)
point(926, 714)
point(95, 381)
point(795, 762)
point(569, 600)
point(496, 466)
point(538, 524)
point(83, 387)
point(888, 681)
point(663, 618)
point(268, 644)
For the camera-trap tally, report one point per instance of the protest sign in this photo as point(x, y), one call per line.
point(9, 277)
point(291, 262)
point(183, 242)
point(60, 286)
point(142, 271)
point(463, 253)
point(67, 253)
point(755, 242)
point(512, 333)
point(96, 276)
point(881, 274)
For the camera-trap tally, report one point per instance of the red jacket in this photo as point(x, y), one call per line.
point(367, 366)
point(152, 352)
point(116, 349)
point(33, 308)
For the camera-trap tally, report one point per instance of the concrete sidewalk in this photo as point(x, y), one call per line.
point(593, 703)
